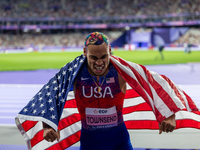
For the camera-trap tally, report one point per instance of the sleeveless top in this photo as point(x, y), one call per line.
point(99, 110)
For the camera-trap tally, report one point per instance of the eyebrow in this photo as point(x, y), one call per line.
point(92, 56)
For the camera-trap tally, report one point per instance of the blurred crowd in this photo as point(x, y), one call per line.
point(40, 40)
point(90, 8)
point(76, 39)
point(192, 37)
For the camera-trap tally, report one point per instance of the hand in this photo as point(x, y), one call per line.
point(50, 134)
point(167, 125)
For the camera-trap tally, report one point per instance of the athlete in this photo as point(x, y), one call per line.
point(99, 92)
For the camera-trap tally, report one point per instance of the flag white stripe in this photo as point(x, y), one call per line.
point(68, 111)
point(140, 115)
point(184, 98)
point(157, 102)
point(187, 115)
point(70, 130)
point(130, 73)
point(64, 133)
point(149, 115)
point(31, 133)
point(70, 95)
point(133, 101)
point(43, 145)
point(165, 85)
point(160, 105)
point(128, 86)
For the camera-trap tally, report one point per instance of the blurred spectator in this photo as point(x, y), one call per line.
point(40, 40)
point(192, 37)
point(89, 8)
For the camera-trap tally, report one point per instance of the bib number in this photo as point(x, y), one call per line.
point(101, 117)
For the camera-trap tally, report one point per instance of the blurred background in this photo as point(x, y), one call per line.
point(131, 25)
point(61, 24)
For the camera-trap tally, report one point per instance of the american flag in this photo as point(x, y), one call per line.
point(150, 98)
point(110, 80)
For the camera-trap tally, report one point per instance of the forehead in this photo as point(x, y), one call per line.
point(98, 50)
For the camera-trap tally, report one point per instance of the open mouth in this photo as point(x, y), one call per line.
point(98, 69)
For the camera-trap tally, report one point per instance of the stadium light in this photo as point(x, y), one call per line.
point(37, 29)
point(25, 29)
point(127, 28)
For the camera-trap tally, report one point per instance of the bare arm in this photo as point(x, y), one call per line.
point(122, 84)
point(168, 125)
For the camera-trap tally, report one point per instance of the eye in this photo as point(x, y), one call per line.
point(93, 58)
point(104, 56)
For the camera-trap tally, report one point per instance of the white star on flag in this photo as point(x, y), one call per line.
point(51, 109)
point(41, 105)
point(43, 111)
point(47, 87)
point(59, 78)
point(50, 101)
point(53, 117)
point(55, 88)
point(75, 65)
point(34, 111)
point(33, 104)
point(70, 69)
point(48, 94)
point(63, 73)
point(25, 109)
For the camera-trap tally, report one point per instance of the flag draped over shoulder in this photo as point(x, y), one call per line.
point(150, 98)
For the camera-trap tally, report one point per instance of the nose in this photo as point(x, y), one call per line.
point(99, 62)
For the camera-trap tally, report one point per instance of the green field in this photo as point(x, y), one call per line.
point(35, 60)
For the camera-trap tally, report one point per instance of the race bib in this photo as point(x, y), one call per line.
point(101, 117)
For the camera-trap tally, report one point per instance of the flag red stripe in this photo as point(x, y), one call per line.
point(141, 124)
point(27, 125)
point(162, 93)
point(37, 138)
point(65, 122)
point(140, 107)
point(192, 105)
point(70, 104)
point(150, 124)
point(140, 91)
point(175, 89)
point(187, 123)
point(131, 94)
point(142, 82)
point(133, 83)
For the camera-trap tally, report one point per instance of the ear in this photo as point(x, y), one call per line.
point(110, 49)
point(85, 51)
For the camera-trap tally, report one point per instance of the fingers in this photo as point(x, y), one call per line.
point(50, 135)
point(58, 138)
point(161, 127)
point(166, 127)
point(171, 129)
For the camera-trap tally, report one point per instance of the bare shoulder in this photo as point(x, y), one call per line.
point(122, 83)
